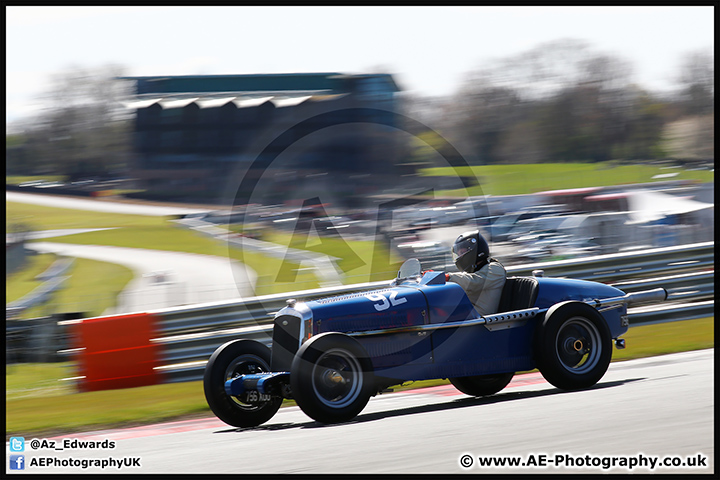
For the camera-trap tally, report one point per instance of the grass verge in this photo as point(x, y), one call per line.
point(18, 179)
point(138, 231)
point(20, 283)
point(92, 286)
point(524, 179)
point(37, 406)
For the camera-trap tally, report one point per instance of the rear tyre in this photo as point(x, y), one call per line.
point(232, 359)
point(331, 378)
point(573, 346)
point(482, 385)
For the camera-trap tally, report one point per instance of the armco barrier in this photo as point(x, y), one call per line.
point(618, 267)
point(42, 293)
point(182, 339)
point(671, 313)
point(117, 351)
point(54, 279)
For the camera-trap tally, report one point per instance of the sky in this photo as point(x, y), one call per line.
point(429, 50)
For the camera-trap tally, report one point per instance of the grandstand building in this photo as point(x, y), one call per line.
point(196, 135)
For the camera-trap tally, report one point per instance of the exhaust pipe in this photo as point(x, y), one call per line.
point(649, 296)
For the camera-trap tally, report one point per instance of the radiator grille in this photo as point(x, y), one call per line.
point(286, 341)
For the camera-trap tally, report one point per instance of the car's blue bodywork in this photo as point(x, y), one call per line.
point(428, 329)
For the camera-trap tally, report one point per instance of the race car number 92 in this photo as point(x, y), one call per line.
point(384, 301)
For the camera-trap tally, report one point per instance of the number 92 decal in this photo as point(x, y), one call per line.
point(385, 302)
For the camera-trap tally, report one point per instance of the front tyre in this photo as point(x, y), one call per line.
point(232, 359)
point(331, 378)
point(482, 385)
point(573, 346)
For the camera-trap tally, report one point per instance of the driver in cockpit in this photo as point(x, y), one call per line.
point(481, 276)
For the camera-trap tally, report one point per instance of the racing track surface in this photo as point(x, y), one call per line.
point(74, 203)
point(187, 278)
point(658, 406)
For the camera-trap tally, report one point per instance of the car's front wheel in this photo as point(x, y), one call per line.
point(331, 378)
point(235, 358)
point(573, 346)
point(482, 385)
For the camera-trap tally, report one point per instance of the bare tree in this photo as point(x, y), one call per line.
point(83, 128)
point(560, 101)
point(607, 72)
point(697, 80)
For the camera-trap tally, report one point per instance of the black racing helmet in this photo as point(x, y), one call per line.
point(470, 252)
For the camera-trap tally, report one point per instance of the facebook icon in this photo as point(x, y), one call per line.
point(17, 462)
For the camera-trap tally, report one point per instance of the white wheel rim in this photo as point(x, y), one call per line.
point(337, 387)
point(570, 347)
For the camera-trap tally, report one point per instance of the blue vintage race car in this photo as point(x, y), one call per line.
point(331, 355)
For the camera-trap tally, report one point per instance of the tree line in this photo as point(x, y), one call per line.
point(563, 102)
point(83, 130)
point(558, 102)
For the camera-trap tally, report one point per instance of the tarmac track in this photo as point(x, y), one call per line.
point(165, 279)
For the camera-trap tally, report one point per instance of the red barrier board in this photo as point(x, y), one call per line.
point(118, 352)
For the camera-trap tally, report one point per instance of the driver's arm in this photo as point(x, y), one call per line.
point(470, 282)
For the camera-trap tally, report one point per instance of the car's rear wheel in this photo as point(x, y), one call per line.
point(235, 358)
point(573, 346)
point(482, 385)
point(331, 378)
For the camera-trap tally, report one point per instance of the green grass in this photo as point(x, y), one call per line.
point(18, 179)
point(38, 404)
point(22, 282)
point(157, 233)
point(93, 286)
point(37, 380)
point(524, 179)
point(650, 340)
point(163, 236)
point(71, 413)
point(49, 218)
